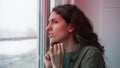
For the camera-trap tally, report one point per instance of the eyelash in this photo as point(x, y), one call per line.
point(55, 21)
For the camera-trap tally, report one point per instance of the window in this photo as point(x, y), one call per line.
point(19, 33)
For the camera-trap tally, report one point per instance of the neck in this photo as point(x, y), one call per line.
point(70, 45)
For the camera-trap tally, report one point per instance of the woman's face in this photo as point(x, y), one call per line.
point(58, 29)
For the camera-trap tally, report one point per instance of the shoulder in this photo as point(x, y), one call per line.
point(89, 57)
point(91, 49)
point(91, 52)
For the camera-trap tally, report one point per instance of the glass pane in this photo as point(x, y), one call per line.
point(18, 33)
point(52, 4)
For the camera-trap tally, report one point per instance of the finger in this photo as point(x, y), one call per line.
point(55, 49)
point(62, 48)
point(59, 48)
point(52, 50)
point(47, 56)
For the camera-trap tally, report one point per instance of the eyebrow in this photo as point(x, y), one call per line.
point(52, 19)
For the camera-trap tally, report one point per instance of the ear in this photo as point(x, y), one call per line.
point(70, 28)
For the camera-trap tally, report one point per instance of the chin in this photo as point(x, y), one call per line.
point(52, 42)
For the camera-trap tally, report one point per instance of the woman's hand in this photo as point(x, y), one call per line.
point(47, 61)
point(57, 53)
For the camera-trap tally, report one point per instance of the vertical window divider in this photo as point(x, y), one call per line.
point(44, 10)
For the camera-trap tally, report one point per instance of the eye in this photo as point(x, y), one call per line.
point(54, 21)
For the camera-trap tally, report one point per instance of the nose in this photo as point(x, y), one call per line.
point(49, 27)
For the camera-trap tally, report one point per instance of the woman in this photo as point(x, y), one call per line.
point(75, 45)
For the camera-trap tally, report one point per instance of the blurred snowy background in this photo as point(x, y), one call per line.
point(19, 54)
point(18, 33)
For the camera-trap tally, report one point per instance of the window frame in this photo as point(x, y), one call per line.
point(44, 6)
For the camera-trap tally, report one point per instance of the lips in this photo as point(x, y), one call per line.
point(50, 35)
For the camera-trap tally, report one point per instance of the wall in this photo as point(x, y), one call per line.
point(109, 30)
point(92, 9)
point(106, 20)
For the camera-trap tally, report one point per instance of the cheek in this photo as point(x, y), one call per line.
point(61, 32)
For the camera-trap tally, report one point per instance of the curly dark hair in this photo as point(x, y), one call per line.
point(83, 29)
